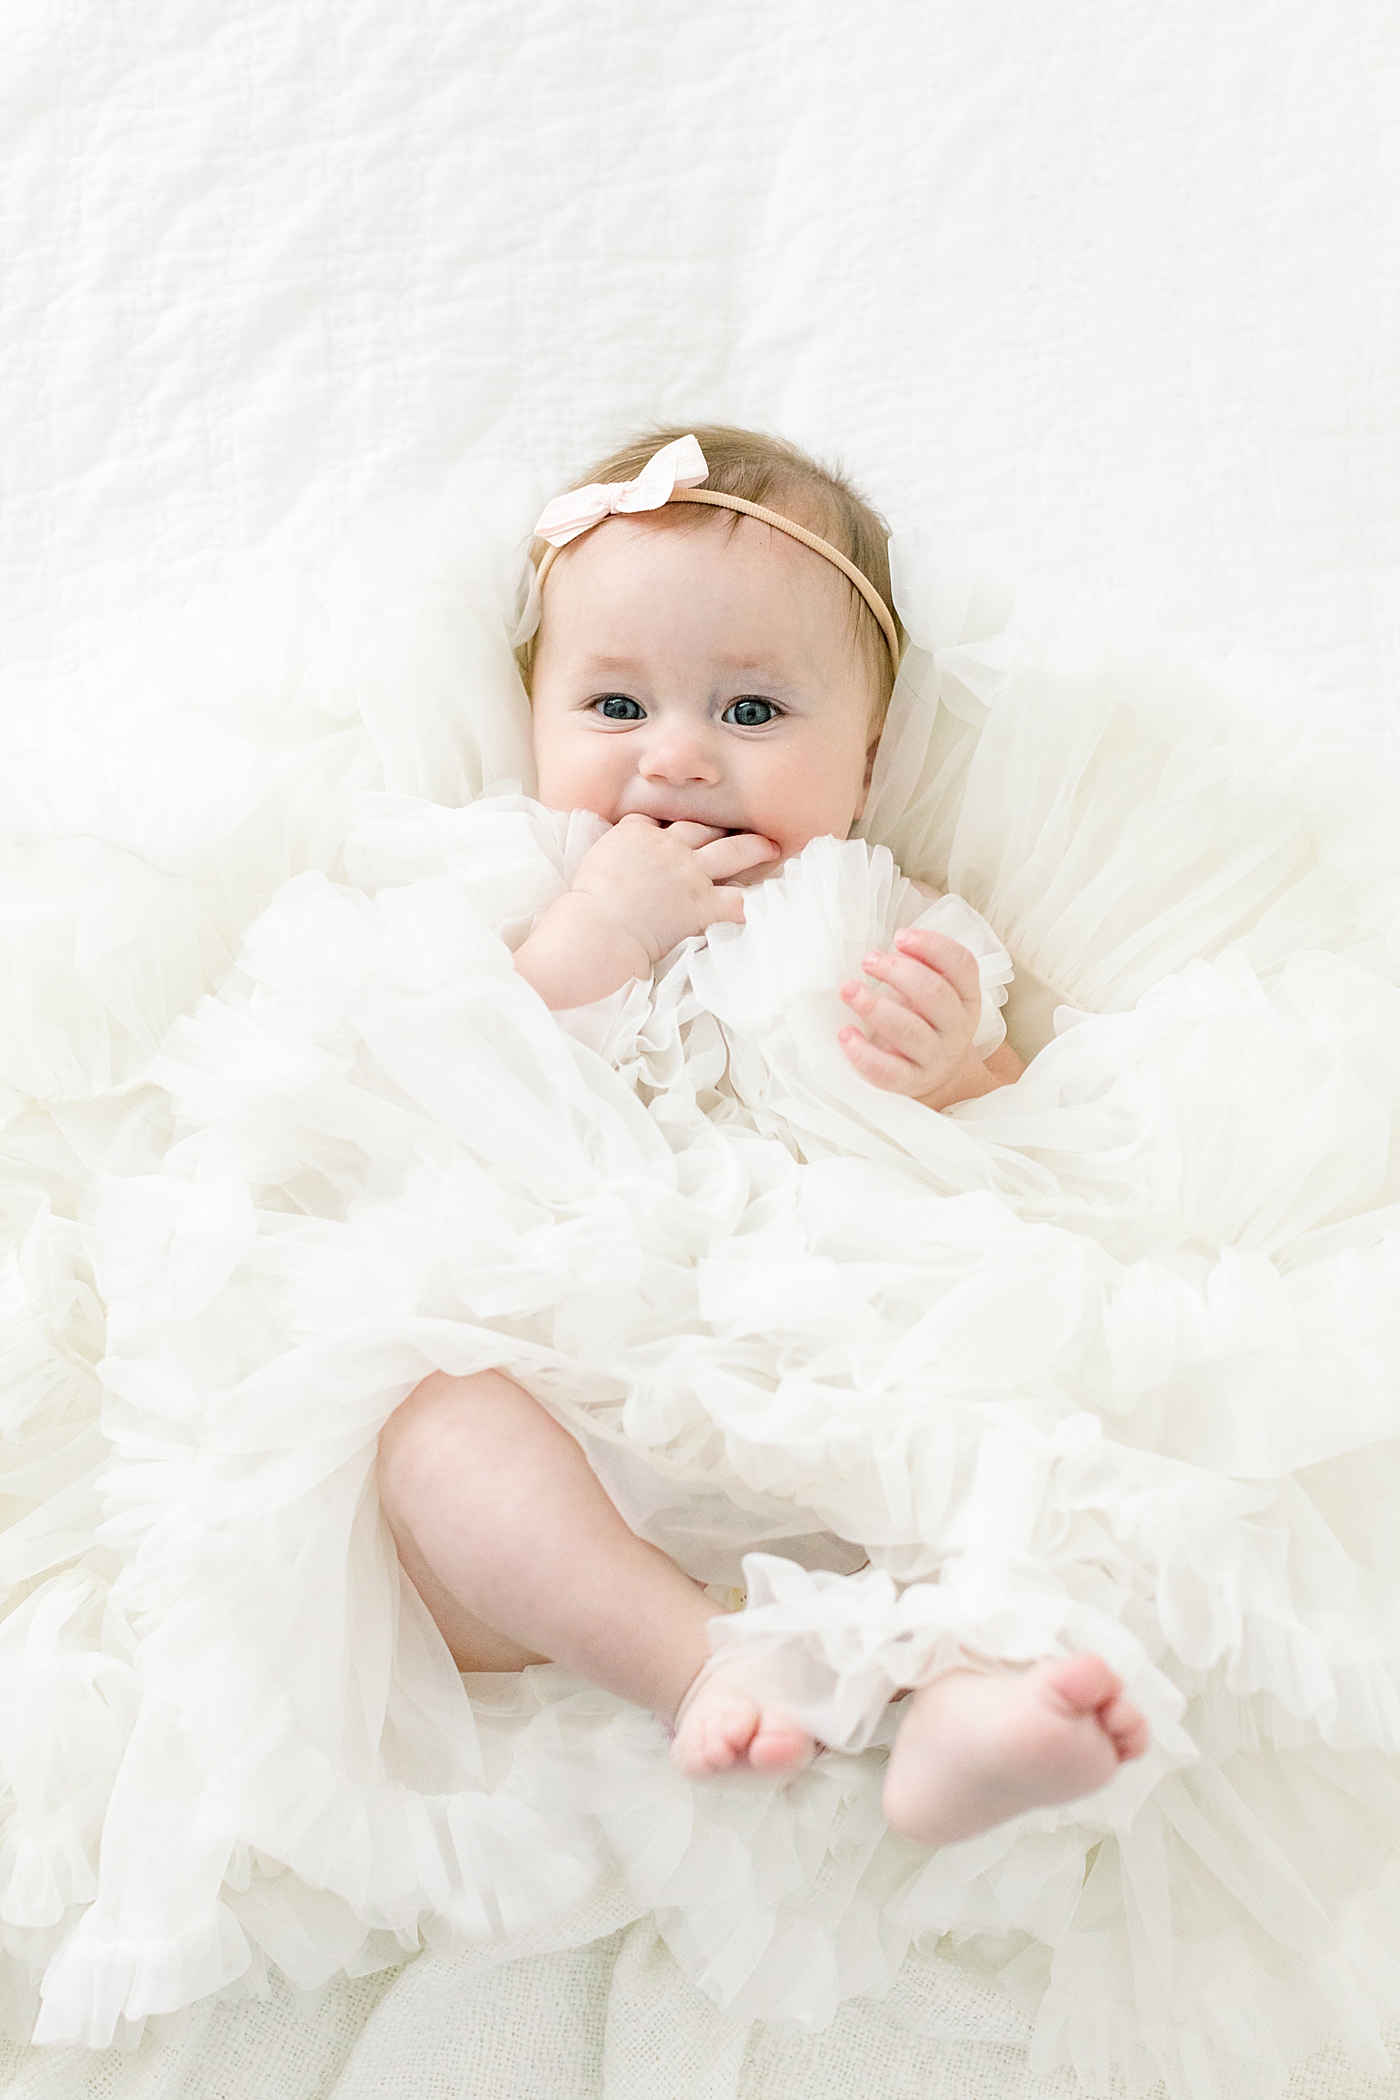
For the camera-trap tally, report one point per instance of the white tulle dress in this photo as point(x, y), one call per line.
point(1109, 1359)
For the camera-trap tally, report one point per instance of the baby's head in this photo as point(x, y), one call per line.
point(693, 662)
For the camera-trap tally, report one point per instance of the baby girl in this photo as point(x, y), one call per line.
point(710, 674)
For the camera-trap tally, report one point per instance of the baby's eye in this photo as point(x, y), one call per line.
point(616, 707)
point(750, 714)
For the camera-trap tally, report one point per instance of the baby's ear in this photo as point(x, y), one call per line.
point(870, 750)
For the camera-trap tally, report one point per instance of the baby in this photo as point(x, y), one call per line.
point(710, 675)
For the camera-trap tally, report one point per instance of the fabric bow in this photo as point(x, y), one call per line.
point(679, 465)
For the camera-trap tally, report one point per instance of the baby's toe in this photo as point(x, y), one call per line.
point(723, 1728)
point(715, 1733)
point(1127, 1728)
point(728, 1735)
point(779, 1745)
point(1084, 1683)
point(701, 1750)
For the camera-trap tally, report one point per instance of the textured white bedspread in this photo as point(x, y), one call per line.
point(1114, 285)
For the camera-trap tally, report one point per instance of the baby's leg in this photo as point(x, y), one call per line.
point(519, 1555)
point(976, 1749)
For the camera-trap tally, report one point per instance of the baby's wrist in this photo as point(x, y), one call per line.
point(966, 1082)
point(577, 954)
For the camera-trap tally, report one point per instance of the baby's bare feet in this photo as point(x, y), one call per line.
point(975, 1750)
point(719, 1727)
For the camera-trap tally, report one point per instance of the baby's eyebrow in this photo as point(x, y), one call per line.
point(773, 670)
point(734, 670)
point(761, 680)
point(610, 663)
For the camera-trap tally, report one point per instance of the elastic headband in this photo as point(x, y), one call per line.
point(670, 476)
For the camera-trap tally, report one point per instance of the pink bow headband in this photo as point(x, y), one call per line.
point(670, 476)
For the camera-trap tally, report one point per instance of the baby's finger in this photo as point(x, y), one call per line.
point(891, 1024)
point(725, 903)
point(688, 832)
point(923, 989)
point(939, 951)
point(883, 1068)
point(724, 857)
point(638, 822)
point(913, 983)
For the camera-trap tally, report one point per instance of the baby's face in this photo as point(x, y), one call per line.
point(691, 672)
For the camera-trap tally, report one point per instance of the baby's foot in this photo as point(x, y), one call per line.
point(719, 1726)
point(974, 1750)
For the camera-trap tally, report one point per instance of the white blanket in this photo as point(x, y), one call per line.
point(1115, 289)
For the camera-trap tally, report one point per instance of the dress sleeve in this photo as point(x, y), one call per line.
point(638, 1029)
point(610, 1026)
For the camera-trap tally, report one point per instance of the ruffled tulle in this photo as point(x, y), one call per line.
point(1107, 1359)
point(1118, 799)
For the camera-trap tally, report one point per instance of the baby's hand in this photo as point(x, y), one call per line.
point(641, 889)
point(662, 882)
point(921, 1036)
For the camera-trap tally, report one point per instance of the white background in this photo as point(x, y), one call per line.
point(1114, 281)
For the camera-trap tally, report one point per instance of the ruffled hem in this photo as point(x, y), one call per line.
point(834, 1651)
point(805, 933)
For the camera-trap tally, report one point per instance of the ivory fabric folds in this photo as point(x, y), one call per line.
point(1109, 1359)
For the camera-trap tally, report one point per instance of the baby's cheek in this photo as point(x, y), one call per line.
point(571, 779)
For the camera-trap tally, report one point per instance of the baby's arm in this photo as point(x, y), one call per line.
point(921, 1037)
point(642, 888)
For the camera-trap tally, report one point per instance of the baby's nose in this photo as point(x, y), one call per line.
point(679, 754)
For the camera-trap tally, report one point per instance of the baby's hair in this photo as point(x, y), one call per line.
point(766, 470)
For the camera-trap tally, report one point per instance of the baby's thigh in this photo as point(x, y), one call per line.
point(450, 1458)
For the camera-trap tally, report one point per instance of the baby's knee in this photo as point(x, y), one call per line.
point(437, 1431)
point(458, 1433)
